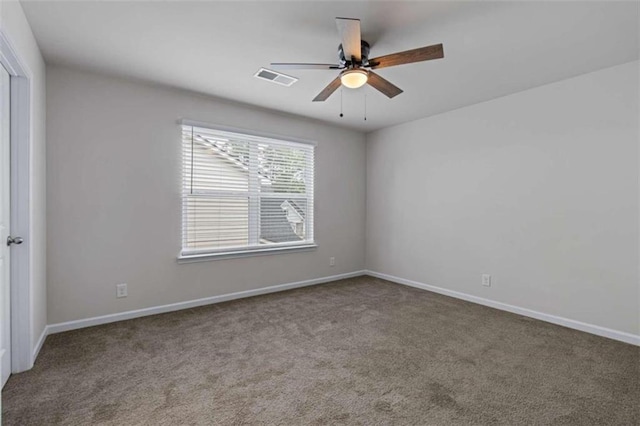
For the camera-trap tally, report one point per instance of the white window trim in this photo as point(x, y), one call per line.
point(244, 252)
point(254, 249)
point(247, 132)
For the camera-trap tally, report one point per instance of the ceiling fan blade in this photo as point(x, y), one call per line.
point(300, 66)
point(383, 85)
point(327, 91)
point(408, 56)
point(349, 30)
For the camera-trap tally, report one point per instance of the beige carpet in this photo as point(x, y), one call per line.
point(359, 351)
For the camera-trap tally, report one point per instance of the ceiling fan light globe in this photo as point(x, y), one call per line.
point(354, 78)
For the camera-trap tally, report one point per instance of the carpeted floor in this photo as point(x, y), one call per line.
point(358, 351)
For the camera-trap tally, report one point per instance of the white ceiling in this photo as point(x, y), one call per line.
point(491, 48)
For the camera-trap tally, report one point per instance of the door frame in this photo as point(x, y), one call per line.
point(22, 355)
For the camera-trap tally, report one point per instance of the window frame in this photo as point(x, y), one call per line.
point(198, 255)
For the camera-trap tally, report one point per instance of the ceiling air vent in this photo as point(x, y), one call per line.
point(275, 77)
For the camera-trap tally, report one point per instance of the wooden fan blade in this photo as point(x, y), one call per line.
point(327, 91)
point(383, 85)
point(349, 30)
point(299, 66)
point(408, 56)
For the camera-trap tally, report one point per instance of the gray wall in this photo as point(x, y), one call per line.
point(114, 197)
point(538, 189)
point(15, 25)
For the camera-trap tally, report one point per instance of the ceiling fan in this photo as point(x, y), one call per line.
point(356, 66)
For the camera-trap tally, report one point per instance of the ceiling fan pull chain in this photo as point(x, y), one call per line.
point(365, 107)
point(341, 115)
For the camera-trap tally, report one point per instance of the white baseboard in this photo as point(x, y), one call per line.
point(121, 316)
point(39, 343)
point(565, 322)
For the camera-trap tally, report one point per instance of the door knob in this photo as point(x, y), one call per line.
point(14, 240)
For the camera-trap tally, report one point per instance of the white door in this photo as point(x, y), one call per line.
point(5, 231)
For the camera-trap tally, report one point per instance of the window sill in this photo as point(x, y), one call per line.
point(204, 257)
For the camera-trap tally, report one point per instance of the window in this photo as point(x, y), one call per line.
point(244, 193)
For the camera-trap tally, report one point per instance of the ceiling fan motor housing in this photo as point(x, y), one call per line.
point(364, 53)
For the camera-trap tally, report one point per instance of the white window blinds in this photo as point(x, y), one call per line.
point(242, 192)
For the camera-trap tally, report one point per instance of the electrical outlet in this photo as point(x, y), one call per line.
point(486, 280)
point(332, 261)
point(121, 290)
